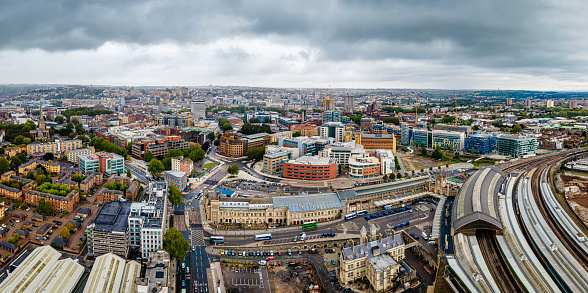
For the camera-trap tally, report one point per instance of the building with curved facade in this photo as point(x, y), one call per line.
point(310, 168)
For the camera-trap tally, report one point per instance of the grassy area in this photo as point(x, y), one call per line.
point(440, 282)
point(484, 162)
point(208, 165)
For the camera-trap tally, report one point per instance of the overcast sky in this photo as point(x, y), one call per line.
point(473, 44)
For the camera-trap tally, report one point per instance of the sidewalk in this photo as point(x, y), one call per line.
point(217, 275)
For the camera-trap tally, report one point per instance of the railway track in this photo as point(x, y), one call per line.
point(507, 281)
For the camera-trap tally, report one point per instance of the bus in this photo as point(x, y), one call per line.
point(350, 216)
point(362, 212)
point(309, 225)
point(217, 239)
point(263, 237)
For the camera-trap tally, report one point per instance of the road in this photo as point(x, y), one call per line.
point(137, 172)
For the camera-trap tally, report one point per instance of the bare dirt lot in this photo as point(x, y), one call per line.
point(293, 279)
point(577, 199)
point(417, 162)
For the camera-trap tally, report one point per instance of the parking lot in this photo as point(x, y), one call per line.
point(247, 279)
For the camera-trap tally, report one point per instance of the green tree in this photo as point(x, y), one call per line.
point(4, 165)
point(255, 153)
point(45, 207)
point(19, 140)
point(59, 119)
point(14, 238)
point(129, 173)
point(394, 120)
point(174, 153)
point(148, 157)
point(448, 119)
point(66, 231)
point(217, 142)
point(438, 154)
point(166, 163)
point(423, 151)
point(155, 167)
point(31, 175)
point(26, 140)
point(392, 176)
point(430, 168)
point(175, 195)
point(476, 127)
point(422, 170)
point(296, 134)
point(175, 244)
point(197, 155)
point(83, 138)
point(517, 128)
point(211, 136)
point(233, 169)
point(385, 177)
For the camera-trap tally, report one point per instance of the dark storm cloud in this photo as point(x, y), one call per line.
point(537, 35)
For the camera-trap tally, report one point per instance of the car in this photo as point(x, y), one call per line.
point(11, 221)
point(54, 221)
point(222, 252)
point(59, 223)
point(44, 238)
point(333, 262)
point(279, 253)
point(183, 283)
point(18, 221)
point(3, 225)
point(12, 224)
point(82, 239)
point(367, 218)
point(269, 258)
point(295, 238)
point(37, 238)
point(289, 252)
point(35, 225)
point(271, 253)
point(299, 252)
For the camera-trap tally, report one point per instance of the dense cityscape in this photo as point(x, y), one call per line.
point(241, 189)
point(184, 146)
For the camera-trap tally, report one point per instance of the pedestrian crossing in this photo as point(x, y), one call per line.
point(197, 237)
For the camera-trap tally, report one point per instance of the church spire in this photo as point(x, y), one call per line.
point(41, 119)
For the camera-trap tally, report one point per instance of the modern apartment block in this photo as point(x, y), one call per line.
point(310, 168)
point(273, 161)
point(516, 146)
point(103, 162)
point(331, 116)
point(448, 139)
point(148, 220)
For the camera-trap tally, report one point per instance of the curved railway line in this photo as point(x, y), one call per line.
point(538, 170)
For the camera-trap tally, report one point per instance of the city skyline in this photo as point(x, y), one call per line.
point(460, 45)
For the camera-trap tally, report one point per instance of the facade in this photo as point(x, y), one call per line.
point(64, 203)
point(176, 120)
point(180, 164)
point(377, 260)
point(147, 220)
point(9, 192)
point(422, 137)
point(405, 133)
point(448, 139)
point(364, 166)
point(198, 109)
point(377, 141)
point(103, 162)
point(232, 145)
point(280, 210)
point(109, 231)
point(178, 179)
point(481, 143)
point(72, 155)
point(273, 161)
point(275, 136)
point(310, 168)
point(516, 146)
point(106, 195)
point(57, 147)
point(34, 164)
point(348, 104)
point(306, 130)
point(331, 116)
point(449, 127)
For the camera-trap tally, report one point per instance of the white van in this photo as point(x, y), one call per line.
point(262, 262)
point(302, 236)
point(425, 236)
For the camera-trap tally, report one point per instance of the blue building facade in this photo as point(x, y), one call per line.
point(482, 143)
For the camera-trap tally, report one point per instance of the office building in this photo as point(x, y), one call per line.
point(331, 116)
point(176, 120)
point(310, 168)
point(450, 127)
point(305, 146)
point(109, 231)
point(349, 104)
point(448, 139)
point(573, 104)
point(509, 101)
point(480, 143)
point(405, 133)
point(377, 141)
point(549, 104)
point(364, 166)
point(232, 145)
point(147, 220)
point(103, 162)
point(273, 161)
point(421, 137)
point(516, 146)
point(198, 110)
point(178, 179)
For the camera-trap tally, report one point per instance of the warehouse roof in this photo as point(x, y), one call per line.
point(132, 271)
point(476, 204)
point(106, 275)
point(31, 271)
point(63, 277)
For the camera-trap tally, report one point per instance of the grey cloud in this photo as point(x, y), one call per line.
point(539, 36)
